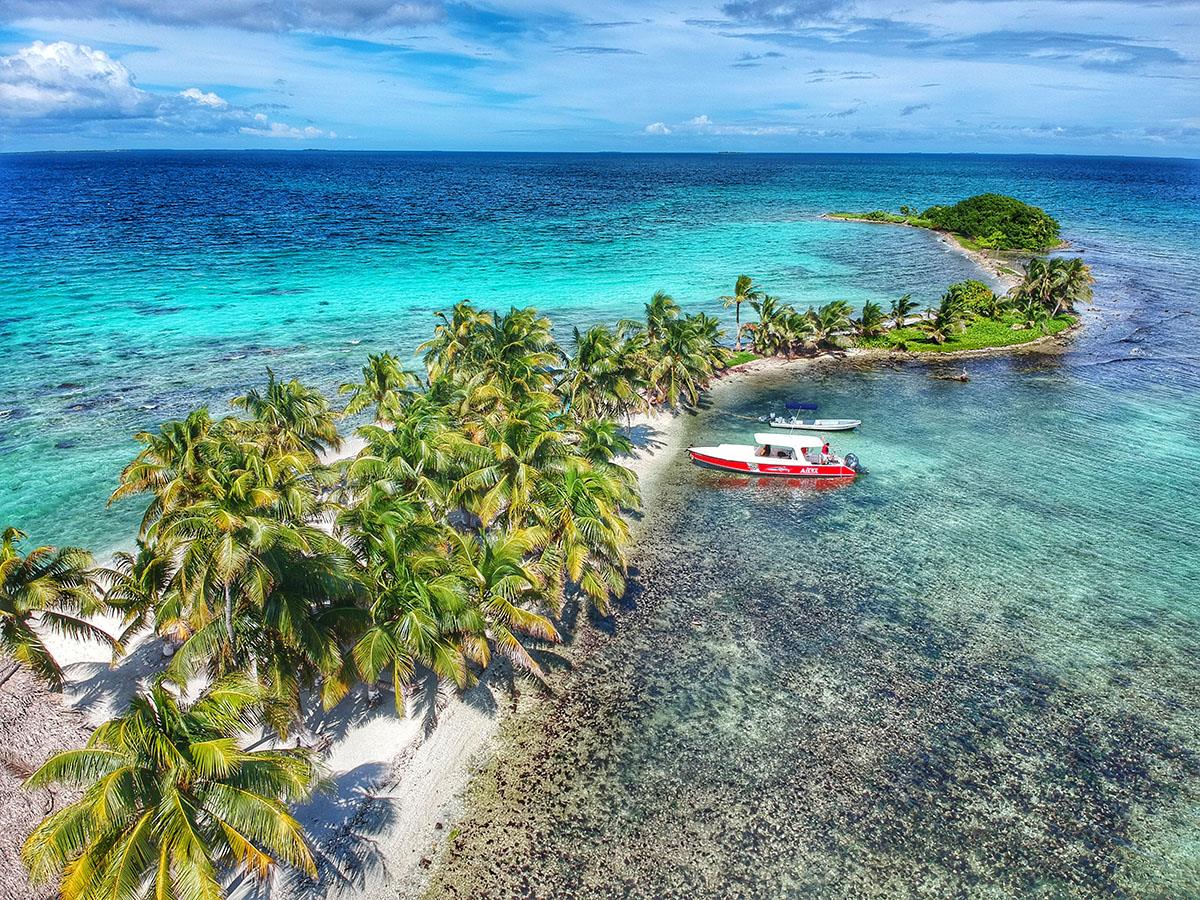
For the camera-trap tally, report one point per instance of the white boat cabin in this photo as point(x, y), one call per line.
point(787, 446)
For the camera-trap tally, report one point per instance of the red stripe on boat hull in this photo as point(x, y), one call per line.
point(773, 467)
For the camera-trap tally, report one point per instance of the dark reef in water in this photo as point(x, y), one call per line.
point(761, 727)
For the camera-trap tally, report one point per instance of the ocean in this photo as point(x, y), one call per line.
point(971, 673)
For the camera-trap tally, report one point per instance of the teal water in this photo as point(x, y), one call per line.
point(971, 673)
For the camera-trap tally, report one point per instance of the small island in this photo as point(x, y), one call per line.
point(983, 222)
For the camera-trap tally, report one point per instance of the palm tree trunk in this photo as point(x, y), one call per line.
point(229, 614)
point(737, 318)
point(13, 669)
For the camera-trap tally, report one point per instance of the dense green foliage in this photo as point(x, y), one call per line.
point(997, 222)
point(985, 221)
point(171, 802)
point(487, 495)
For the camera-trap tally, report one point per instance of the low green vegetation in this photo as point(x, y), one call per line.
point(487, 501)
point(978, 334)
point(738, 357)
point(982, 222)
point(889, 218)
point(969, 316)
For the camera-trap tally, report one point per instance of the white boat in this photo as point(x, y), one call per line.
point(814, 424)
point(777, 454)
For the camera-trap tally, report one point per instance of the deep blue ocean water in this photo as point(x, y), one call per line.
point(972, 673)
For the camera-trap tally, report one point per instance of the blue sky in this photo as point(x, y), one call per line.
point(1048, 76)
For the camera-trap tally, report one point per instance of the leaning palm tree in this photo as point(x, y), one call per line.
point(582, 533)
point(744, 291)
point(170, 466)
point(661, 309)
point(601, 377)
point(945, 321)
point(419, 612)
point(292, 416)
point(1074, 285)
point(386, 385)
point(52, 588)
point(902, 308)
point(827, 322)
point(500, 583)
point(172, 806)
point(870, 320)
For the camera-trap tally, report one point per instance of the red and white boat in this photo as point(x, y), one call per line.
point(794, 456)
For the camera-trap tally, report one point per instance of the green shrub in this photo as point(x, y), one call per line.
point(975, 297)
point(997, 221)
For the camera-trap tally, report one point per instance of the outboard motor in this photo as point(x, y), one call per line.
point(852, 462)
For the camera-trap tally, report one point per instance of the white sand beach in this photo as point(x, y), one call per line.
point(394, 782)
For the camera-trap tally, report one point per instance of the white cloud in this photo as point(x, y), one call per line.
point(66, 81)
point(204, 98)
point(657, 128)
point(62, 87)
point(280, 130)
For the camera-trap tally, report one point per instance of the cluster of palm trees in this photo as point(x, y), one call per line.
point(1049, 287)
point(782, 330)
point(487, 494)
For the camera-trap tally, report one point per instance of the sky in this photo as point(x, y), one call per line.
point(1009, 76)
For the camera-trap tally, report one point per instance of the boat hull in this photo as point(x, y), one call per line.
point(775, 467)
point(841, 425)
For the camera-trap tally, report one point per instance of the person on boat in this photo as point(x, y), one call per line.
point(764, 450)
point(825, 453)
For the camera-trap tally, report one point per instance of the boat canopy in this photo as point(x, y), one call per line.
point(796, 404)
point(795, 441)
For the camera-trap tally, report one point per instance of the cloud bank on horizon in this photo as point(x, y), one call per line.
point(1088, 76)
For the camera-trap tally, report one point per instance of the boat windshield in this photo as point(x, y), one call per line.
point(774, 451)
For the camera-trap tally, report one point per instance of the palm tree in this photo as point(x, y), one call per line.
point(517, 453)
point(419, 610)
point(171, 805)
point(583, 533)
point(518, 351)
point(49, 587)
point(600, 442)
point(680, 363)
point(169, 467)
point(707, 333)
point(827, 321)
point(499, 582)
point(602, 377)
point(456, 338)
point(138, 585)
point(902, 308)
point(386, 385)
point(870, 321)
point(292, 416)
point(1036, 316)
point(1057, 284)
point(420, 455)
point(661, 309)
point(946, 320)
point(251, 505)
point(744, 291)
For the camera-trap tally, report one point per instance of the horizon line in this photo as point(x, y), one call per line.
point(348, 150)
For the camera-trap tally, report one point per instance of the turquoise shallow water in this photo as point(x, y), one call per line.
point(971, 673)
